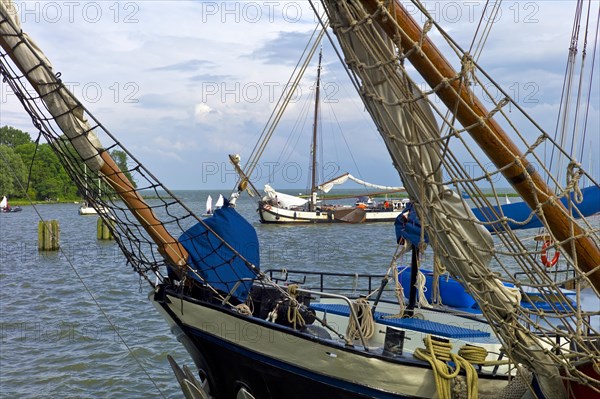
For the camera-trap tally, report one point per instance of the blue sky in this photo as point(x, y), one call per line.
point(182, 84)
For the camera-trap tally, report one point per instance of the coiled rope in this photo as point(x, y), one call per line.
point(437, 353)
point(293, 312)
point(362, 308)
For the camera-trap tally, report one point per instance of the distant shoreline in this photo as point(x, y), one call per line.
point(25, 202)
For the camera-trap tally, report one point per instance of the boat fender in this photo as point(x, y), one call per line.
point(544, 255)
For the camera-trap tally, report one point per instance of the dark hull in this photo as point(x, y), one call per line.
point(237, 352)
point(232, 367)
point(11, 210)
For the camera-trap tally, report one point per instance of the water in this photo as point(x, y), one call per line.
point(55, 341)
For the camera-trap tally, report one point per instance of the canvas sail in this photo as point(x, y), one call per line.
point(283, 200)
point(327, 186)
point(208, 205)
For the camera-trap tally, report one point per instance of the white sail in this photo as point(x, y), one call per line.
point(209, 205)
point(283, 200)
point(219, 202)
point(3, 203)
point(327, 186)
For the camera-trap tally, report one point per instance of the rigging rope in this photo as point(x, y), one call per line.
point(421, 155)
point(283, 102)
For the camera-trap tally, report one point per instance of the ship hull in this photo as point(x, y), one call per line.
point(271, 361)
point(276, 215)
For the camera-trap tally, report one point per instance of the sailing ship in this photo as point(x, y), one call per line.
point(259, 333)
point(281, 208)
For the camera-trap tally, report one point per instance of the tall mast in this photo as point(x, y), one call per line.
point(489, 135)
point(313, 188)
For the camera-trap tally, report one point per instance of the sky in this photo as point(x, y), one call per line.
point(182, 84)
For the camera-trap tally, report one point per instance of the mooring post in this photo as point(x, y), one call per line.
point(48, 235)
point(104, 230)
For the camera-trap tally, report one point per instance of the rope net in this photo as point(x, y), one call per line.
point(434, 137)
point(85, 148)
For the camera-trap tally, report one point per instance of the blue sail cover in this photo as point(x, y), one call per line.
point(218, 265)
point(408, 226)
point(520, 211)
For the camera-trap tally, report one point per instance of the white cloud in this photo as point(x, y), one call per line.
point(201, 112)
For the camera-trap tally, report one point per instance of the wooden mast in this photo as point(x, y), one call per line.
point(488, 134)
point(312, 204)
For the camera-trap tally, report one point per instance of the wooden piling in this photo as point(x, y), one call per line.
point(104, 229)
point(48, 235)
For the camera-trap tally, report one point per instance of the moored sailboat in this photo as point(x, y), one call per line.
point(281, 208)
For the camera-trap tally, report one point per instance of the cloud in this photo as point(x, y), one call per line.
point(207, 77)
point(185, 66)
point(202, 112)
point(284, 49)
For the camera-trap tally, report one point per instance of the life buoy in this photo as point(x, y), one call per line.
point(544, 256)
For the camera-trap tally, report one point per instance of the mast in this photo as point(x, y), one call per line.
point(487, 133)
point(85, 184)
point(313, 189)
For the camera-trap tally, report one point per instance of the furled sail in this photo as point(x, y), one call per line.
point(327, 186)
point(60, 102)
point(283, 200)
point(420, 153)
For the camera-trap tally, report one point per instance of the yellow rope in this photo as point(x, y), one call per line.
point(244, 309)
point(293, 312)
point(437, 353)
point(473, 354)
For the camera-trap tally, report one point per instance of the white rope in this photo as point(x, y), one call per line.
point(366, 324)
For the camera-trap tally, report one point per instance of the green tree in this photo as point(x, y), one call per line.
point(12, 137)
point(12, 172)
point(48, 177)
point(120, 158)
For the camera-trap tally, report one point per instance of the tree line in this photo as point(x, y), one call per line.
point(25, 164)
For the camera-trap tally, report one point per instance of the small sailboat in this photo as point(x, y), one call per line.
point(220, 202)
point(6, 208)
point(209, 210)
point(88, 208)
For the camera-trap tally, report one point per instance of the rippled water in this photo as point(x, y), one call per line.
point(56, 341)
